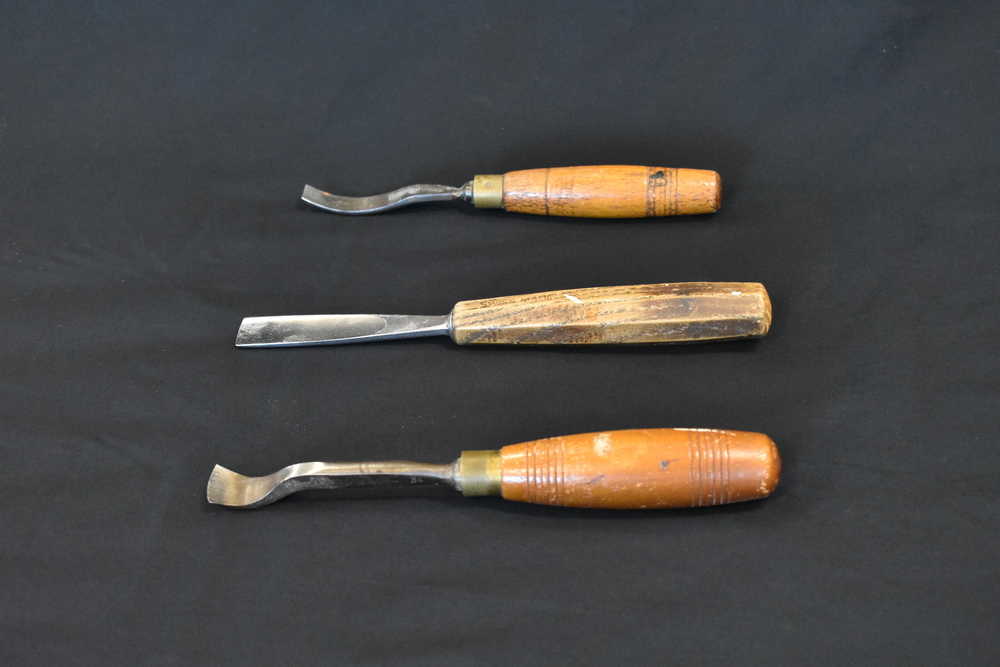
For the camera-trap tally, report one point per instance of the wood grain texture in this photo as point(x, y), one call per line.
point(641, 469)
point(612, 191)
point(659, 313)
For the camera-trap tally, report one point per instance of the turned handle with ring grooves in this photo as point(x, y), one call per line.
point(633, 469)
point(604, 191)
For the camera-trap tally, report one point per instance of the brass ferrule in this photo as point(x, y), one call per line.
point(487, 191)
point(479, 472)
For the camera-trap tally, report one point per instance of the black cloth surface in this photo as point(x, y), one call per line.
point(152, 156)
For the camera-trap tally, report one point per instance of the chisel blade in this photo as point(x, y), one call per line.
point(298, 330)
point(411, 194)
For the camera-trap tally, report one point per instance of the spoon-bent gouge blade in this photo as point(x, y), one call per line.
point(660, 313)
point(608, 191)
point(634, 469)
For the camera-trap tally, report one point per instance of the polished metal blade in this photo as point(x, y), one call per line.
point(289, 330)
point(232, 489)
point(411, 194)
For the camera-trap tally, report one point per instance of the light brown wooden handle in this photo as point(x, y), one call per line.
point(641, 469)
point(659, 313)
point(612, 191)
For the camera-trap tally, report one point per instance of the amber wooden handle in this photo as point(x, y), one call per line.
point(641, 469)
point(612, 191)
point(659, 313)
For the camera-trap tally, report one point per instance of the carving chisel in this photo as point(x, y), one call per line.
point(635, 469)
point(608, 191)
point(659, 313)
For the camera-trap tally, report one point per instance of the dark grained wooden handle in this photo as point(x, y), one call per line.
point(659, 313)
point(641, 469)
point(612, 191)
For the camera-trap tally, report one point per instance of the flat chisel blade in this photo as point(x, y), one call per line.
point(293, 330)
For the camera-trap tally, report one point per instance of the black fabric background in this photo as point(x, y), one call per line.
point(152, 155)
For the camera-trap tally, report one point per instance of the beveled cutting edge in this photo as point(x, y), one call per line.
point(411, 194)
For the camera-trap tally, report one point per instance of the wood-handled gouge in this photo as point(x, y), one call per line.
point(606, 191)
point(658, 313)
point(633, 469)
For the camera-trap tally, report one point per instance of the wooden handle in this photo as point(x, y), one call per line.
point(612, 191)
point(641, 469)
point(660, 313)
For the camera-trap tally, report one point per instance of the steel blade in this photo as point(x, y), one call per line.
point(411, 194)
point(291, 330)
point(226, 487)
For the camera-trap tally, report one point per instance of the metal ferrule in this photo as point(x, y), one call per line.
point(479, 473)
point(487, 191)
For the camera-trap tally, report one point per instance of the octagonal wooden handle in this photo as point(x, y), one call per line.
point(641, 469)
point(657, 313)
point(612, 191)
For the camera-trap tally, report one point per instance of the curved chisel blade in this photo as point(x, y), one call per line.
point(289, 330)
point(232, 489)
point(411, 194)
